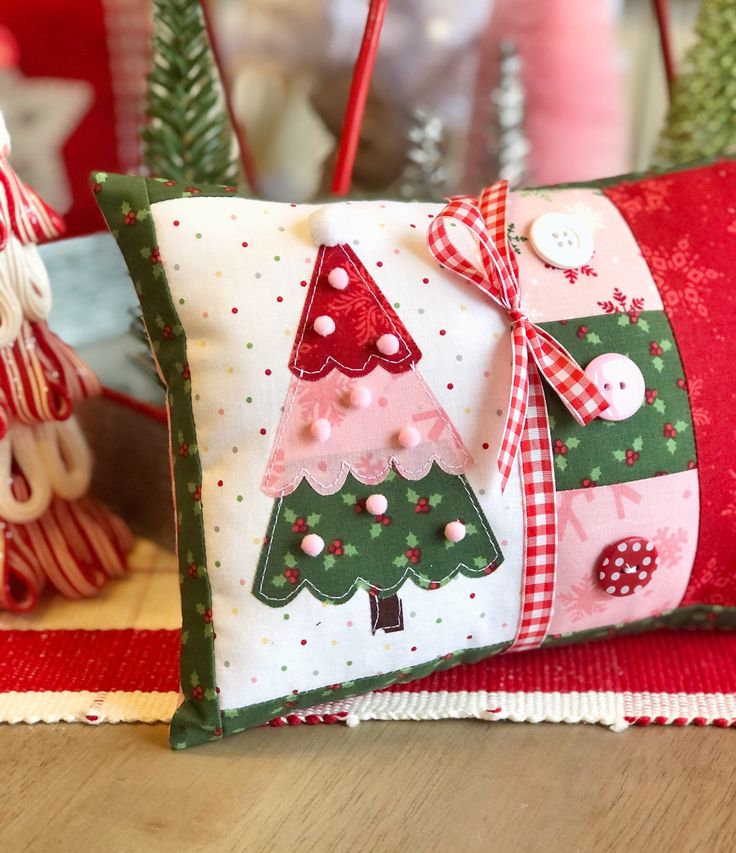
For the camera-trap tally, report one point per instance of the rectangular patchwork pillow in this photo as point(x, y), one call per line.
point(406, 436)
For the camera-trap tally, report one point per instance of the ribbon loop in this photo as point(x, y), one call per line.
point(536, 354)
point(497, 275)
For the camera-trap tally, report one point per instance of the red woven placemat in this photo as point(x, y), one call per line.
point(121, 675)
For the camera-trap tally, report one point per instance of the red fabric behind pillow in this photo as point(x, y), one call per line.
point(685, 224)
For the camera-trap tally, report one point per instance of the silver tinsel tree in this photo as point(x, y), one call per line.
point(425, 175)
point(507, 145)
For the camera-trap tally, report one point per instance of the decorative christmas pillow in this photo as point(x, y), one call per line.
point(381, 470)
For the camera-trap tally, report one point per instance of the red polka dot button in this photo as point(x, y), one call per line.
point(627, 566)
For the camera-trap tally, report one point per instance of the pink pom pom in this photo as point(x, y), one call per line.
point(320, 429)
point(360, 397)
point(338, 278)
point(409, 437)
point(455, 531)
point(313, 545)
point(376, 504)
point(388, 344)
point(324, 325)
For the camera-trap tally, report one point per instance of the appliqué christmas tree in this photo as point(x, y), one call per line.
point(51, 529)
point(367, 469)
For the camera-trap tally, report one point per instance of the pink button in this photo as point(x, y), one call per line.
point(620, 382)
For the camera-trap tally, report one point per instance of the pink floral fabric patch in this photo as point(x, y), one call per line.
point(660, 510)
point(615, 280)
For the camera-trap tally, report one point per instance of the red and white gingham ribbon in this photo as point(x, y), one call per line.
point(527, 426)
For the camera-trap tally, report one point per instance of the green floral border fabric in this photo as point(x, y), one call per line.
point(125, 203)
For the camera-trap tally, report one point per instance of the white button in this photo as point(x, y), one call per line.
point(561, 240)
point(621, 384)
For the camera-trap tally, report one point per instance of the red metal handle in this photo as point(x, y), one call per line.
point(357, 98)
point(661, 10)
point(246, 159)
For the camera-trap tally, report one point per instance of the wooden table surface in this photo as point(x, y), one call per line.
point(440, 786)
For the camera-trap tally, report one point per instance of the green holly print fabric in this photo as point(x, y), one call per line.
point(375, 553)
point(126, 204)
point(658, 439)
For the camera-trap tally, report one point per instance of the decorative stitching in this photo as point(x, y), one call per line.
point(347, 468)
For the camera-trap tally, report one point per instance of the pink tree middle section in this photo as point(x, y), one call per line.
point(329, 372)
point(363, 442)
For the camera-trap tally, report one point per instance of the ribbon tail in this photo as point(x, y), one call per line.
point(540, 522)
point(517, 407)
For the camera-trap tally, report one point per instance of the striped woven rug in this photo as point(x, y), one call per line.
point(115, 659)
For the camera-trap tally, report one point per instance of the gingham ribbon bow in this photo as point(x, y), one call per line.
point(527, 424)
point(497, 273)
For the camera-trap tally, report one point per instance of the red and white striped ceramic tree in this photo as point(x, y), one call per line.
point(50, 529)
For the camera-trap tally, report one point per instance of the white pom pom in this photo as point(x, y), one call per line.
point(352, 720)
point(331, 225)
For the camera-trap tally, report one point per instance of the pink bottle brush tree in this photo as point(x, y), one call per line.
point(574, 117)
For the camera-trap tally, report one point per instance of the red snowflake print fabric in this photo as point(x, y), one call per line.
point(620, 303)
point(361, 315)
point(684, 224)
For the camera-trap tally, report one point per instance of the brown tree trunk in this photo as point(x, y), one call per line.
point(387, 614)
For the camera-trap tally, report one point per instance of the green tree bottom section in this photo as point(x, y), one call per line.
point(376, 553)
point(658, 439)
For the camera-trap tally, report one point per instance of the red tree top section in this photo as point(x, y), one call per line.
point(361, 317)
point(24, 212)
